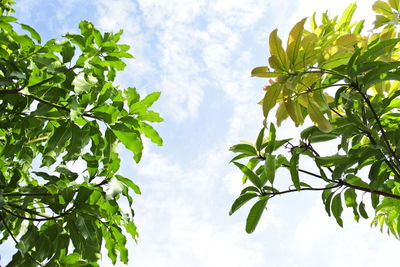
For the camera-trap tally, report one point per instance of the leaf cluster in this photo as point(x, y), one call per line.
point(347, 83)
point(59, 107)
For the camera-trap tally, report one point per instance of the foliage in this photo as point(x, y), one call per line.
point(59, 106)
point(348, 84)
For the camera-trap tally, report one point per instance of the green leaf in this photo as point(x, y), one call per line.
point(71, 258)
point(150, 99)
point(271, 139)
point(250, 189)
point(130, 139)
point(67, 52)
point(244, 148)
point(249, 174)
point(129, 183)
point(83, 83)
point(130, 227)
point(269, 169)
point(35, 35)
point(361, 208)
point(151, 133)
point(337, 209)
point(294, 170)
point(260, 139)
point(255, 214)
point(350, 197)
point(241, 200)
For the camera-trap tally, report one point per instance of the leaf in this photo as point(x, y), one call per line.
point(276, 49)
point(264, 72)
point(348, 39)
point(130, 139)
point(271, 139)
point(151, 98)
point(395, 4)
point(361, 208)
point(294, 170)
point(130, 227)
point(347, 16)
point(382, 8)
point(337, 209)
point(350, 197)
point(241, 200)
point(67, 52)
point(269, 169)
point(83, 83)
point(151, 133)
point(260, 139)
point(255, 214)
point(317, 117)
point(294, 41)
point(250, 189)
point(71, 258)
point(244, 148)
point(35, 35)
point(270, 98)
point(249, 174)
point(129, 183)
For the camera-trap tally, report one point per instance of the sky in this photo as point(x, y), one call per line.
point(199, 54)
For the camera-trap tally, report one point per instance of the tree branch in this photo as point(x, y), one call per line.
point(26, 194)
point(341, 182)
point(378, 121)
point(38, 219)
point(302, 189)
point(16, 242)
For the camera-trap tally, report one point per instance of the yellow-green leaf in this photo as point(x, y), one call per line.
point(317, 117)
point(347, 15)
point(270, 98)
point(294, 41)
point(348, 39)
point(264, 72)
point(281, 114)
point(313, 24)
point(382, 8)
point(292, 107)
point(395, 4)
point(276, 49)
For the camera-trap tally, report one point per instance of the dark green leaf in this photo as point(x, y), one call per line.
point(255, 214)
point(249, 174)
point(337, 209)
point(241, 200)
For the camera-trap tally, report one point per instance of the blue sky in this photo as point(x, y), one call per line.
point(199, 54)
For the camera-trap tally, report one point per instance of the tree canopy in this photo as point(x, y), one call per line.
point(60, 106)
point(347, 82)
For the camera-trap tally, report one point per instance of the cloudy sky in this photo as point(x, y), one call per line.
point(199, 54)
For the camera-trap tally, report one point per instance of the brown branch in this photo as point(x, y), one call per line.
point(38, 219)
point(302, 189)
point(16, 242)
point(341, 182)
